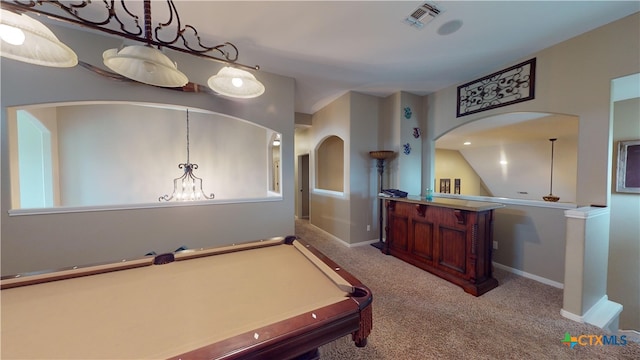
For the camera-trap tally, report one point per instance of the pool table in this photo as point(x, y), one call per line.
point(277, 298)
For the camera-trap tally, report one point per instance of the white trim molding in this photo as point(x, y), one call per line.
point(586, 212)
point(603, 314)
point(527, 275)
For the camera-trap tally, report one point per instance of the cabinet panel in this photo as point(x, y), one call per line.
point(452, 250)
point(422, 240)
point(398, 226)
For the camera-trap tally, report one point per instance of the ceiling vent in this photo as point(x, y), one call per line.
point(422, 15)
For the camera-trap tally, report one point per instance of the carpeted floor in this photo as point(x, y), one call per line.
point(417, 315)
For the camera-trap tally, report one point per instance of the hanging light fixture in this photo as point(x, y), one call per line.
point(143, 63)
point(28, 40)
point(235, 82)
point(551, 197)
point(146, 65)
point(187, 187)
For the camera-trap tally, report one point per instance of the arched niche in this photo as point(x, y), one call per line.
point(275, 175)
point(119, 154)
point(509, 156)
point(330, 164)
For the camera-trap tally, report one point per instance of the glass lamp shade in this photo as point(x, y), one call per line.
point(28, 40)
point(236, 83)
point(146, 65)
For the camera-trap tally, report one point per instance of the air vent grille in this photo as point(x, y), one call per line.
point(422, 15)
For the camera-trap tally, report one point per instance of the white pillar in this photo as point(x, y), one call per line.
point(585, 275)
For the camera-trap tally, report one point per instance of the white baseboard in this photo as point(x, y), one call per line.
point(571, 316)
point(342, 242)
point(530, 276)
point(604, 314)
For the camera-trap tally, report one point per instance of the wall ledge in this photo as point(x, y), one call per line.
point(81, 209)
point(331, 193)
point(510, 201)
point(586, 212)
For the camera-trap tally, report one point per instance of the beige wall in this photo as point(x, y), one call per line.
point(330, 211)
point(450, 164)
point(348, 215)
point(36, 242)
point(363, 172)
point(623, 285)
point(574, 78)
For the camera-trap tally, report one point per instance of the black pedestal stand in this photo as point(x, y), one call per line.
point(380, 243)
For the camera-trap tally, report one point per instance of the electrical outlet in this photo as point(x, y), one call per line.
point(368, 227)
point(495, 245)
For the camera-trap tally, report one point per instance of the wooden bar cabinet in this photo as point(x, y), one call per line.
point(450, 238)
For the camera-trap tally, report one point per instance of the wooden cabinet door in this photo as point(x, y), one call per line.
point(397, 227)
point(421, 239)
point(452, 250)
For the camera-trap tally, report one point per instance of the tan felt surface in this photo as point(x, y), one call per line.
point(164, 310)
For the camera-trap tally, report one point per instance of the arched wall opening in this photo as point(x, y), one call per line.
point(510, 156)
point(330, 164)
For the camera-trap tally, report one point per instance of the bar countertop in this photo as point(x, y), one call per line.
point(468, 205)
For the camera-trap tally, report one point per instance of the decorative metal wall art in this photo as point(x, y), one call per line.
point(505, 87)
point(406, 148)
point(407, 112)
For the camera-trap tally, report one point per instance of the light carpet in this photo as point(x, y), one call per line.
point(417, 315)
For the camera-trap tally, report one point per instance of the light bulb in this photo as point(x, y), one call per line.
point(237, 82)
point(12, 35)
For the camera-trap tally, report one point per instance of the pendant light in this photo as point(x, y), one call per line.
point(551, 197)
point(145, 64)
point(234, 82)
point(28, 40)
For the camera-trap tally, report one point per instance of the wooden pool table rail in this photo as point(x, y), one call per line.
point(285, 339)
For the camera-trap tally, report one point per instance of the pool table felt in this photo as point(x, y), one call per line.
point(164, 310)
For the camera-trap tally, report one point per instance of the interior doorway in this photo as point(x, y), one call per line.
point(303, 184)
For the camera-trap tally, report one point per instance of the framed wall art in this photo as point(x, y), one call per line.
point(505, 87)
point(628, 172)
point(445, 186)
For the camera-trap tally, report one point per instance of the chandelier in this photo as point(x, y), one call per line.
point(187, 187)
point(25, 39)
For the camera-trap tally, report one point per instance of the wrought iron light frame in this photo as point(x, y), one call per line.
point(228, 52)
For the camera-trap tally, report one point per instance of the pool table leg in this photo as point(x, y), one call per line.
point(366, 324)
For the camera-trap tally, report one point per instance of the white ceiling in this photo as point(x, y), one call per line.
point(331, 47)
